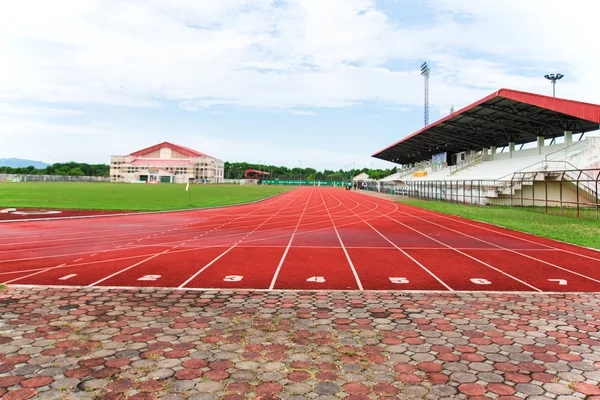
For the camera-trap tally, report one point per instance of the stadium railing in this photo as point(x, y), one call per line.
point(572, 192)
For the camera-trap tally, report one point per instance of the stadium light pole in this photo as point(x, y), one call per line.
point(425, 73)
point(554, 78)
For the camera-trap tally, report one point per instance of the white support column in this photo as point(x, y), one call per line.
point(568, 138)
point(540, 144)
point(485, 154)
point(511, 148)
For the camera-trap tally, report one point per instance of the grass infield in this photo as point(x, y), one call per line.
point(126, 196)
point(572, 230)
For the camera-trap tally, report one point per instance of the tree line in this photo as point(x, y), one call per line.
point(236, 170)
point(68, 169)
point(233, 170)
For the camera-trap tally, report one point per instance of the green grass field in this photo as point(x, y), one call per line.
point(124, 196)
point(572, 230)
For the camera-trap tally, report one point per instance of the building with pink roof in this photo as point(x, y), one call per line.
point(166, 163)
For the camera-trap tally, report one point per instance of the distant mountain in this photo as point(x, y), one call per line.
point(20, 163)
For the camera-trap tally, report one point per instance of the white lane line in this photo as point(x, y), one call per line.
point(460, 252)
point(182, 286)
point(64, 278)
point(79, 259)
point(358, 282)
point(467, 255)
point(35, 273)
point(171, 243)
point(287, 249)
point(460, 221)
point(498, 246)
point(406, 254)
point(234, 245)
point(125, 269)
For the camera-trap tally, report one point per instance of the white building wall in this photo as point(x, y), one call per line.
point(193, 169)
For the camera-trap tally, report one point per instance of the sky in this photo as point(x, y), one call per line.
point(319, 83)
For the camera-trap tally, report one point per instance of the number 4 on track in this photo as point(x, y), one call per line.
point(318, 279)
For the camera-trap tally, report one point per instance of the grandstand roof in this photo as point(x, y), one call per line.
point(256, 172)
point(502, 117)
point(180, 149)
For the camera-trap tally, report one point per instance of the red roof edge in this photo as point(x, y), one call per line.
point(587, 111)
point(578, 109)
point(181, 149)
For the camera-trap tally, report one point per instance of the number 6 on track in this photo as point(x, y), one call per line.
point(318, 279)
point(398, 280)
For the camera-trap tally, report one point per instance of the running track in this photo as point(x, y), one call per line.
point(309, 238)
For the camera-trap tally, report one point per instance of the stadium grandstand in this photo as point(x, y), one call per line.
point(505, 136)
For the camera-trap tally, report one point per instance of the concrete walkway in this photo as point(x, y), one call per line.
point(78, 343)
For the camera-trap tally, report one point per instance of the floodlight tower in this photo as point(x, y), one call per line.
point(554, 78)
point(425, 73)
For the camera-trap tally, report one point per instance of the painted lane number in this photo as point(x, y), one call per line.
point(318, 279)
point(149, 278)
point(233, 278)
point(399, 280)
point(561, 282)
point(480, 281)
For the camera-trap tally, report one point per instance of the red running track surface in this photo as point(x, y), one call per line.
point(309, 238)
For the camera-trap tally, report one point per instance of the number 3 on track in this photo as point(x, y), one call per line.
point(318, 279)
point(233, 278)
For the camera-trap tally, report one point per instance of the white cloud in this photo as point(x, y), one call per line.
point(281, 54)
point(302, 112)
point(11, 109)
point(270, 55)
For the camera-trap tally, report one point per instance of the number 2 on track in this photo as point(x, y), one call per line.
point(318, 279)
point(149, 278)
point(399, 280)
point(561, 282)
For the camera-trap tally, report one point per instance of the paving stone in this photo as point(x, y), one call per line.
point(528, 388)
point(327, 345)
point(557, 388)
point(298, 388)
point(443, 390)
point(209, 386)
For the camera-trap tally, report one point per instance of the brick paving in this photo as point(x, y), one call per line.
point(86, 343)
